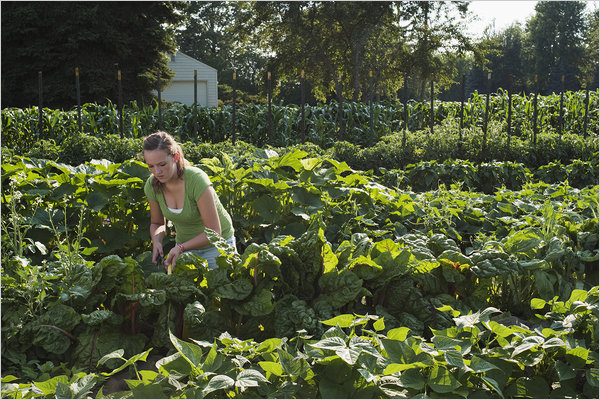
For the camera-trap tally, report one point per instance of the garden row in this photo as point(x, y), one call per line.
point(391, 152)
point(280, 125)
point(480, 295)
point(106, 200)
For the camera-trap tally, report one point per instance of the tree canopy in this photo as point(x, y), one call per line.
point(339, 44)
point(346, 49)
point(97, 37)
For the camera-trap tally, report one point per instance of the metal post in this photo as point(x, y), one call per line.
point(562, 98)
point(160, 121)
point(535, 109)
point(405, 108)
point(120, 105)
point(371, 104)
point(510, 83)
point(78, 89)
point(462, 112)
point(269, 103)
point(432, 110)
point(233, 122)
point(487, 107)
point(41, 120)
point(342, 129)
point(196, 106)
point(587, 107)
point(302, 100)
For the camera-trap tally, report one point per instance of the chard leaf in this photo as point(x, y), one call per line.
point(365, 268)
point(341, 288)
point(259, 304)
point(52, 329)
point(236, 290)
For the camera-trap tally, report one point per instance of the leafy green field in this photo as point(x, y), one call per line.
point(450, 279)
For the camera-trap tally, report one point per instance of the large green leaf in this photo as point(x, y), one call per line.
point(442, 381)
point(249, 378)
point(191, 352)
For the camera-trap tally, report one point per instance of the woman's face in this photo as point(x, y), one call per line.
point(161, 164)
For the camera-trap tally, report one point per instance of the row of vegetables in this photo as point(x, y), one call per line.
point(347, 284)
point(571, 112)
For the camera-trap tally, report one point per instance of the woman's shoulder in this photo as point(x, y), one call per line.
point(191, 170)
point(195, 174)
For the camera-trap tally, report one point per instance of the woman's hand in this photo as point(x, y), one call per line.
point(172, 258)
point(157, 254)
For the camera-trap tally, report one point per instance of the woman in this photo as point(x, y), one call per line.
point(184, 195)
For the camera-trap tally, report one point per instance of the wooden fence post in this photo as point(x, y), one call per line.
point(195, 106)
point(462, 112)
point(371, 105)
point(560, 114)
point(510, 83)
point(233, 121)
point(405, 111)
point(487, 107)
point(535, 109)
point(269, 94)
point(432, 109)
point(302, 105)
point(160, 121)
point(40, 113)
point(120, 105)
point(587, 107)
point(78, 92)
point(342, 128)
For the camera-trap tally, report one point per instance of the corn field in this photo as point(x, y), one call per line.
point(20, 127)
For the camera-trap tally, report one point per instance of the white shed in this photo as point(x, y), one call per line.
point(181, 87)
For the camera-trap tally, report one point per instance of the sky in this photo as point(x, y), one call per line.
point(504, 13)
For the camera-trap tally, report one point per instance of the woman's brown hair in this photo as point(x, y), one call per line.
point(163, 141)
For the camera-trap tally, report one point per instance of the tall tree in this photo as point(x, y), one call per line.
point(507, 61)
point(589, 63)
point(97, 37)
point(338, 43)
point(209, 35)
point(434, 31)
point(556, 42)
